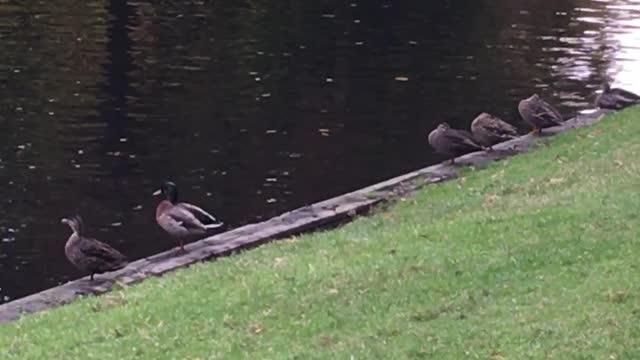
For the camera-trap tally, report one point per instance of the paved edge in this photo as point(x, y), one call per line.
point(302, 219)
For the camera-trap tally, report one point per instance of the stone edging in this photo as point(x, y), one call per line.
point(296, 221)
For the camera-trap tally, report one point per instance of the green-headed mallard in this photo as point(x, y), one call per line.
point(88, 254)
point(615, 98)
point(539, 113)
point(179, 219)
point(490, 130)
point(451, 142)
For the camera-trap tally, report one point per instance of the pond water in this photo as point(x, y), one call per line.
point(255, 108)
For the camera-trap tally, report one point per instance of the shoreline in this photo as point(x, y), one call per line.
point(304, 219)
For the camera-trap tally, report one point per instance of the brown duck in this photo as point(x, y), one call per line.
point(616, 99)
point(539, 113)
point(88, 254)
point(451, 142)
point(489, 130)
point(182, 220)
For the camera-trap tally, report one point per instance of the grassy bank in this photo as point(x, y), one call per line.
point(535, 257)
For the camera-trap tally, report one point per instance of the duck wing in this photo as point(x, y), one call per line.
point(461, 139)
point(608, 102)
point(181, 216)
point(208, 220)
point(501, 128)
point(103, 256)
point(613, 102)
point(547, 112)
point(624, 95)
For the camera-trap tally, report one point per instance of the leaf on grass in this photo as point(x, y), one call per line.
point(617, 297)
point(555, 181)
point(326, 340)
point(256, 329)
point(594, 133)
point(291, 240)
point(490, 199)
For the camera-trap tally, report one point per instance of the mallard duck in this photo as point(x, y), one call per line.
point(451, 142)
point(490, 130)
point(539, 113)
point(180, 219)
point(88, 254)
point(615, 98)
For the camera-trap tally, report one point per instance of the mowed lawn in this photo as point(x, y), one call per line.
point(535, 257)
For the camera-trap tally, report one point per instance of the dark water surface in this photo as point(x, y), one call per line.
point(255, 108)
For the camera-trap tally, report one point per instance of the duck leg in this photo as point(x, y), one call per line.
point(91, 278)
point(180, 247)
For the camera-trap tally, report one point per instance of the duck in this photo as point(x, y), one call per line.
point(452, 142)
point(88, 254)
point(615, 98)
point(180, 219)
point(539, 113)
point(489, 130)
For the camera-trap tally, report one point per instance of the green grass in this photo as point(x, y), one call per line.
point(532, 258)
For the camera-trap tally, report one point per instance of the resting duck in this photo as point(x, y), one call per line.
point(88, 254)
point(615, 98)
point(539, 113)
point(182, 220)
point(490, 130)
point(452, 142)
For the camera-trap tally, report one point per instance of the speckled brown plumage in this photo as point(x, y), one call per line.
point(90, 255)
point(489, 130)
point(539, 113)
point(451, 142)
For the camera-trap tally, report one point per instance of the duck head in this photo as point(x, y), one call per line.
point(169, 190)
point(74, 222)
point(437, 132)
point(444, 126)
point(531, 100)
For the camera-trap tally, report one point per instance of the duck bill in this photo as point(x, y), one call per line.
point(157, 192)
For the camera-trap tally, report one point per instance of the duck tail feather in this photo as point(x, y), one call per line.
point(213, 226)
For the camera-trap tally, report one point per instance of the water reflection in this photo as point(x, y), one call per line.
point(258, 107)
point(622, 36)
